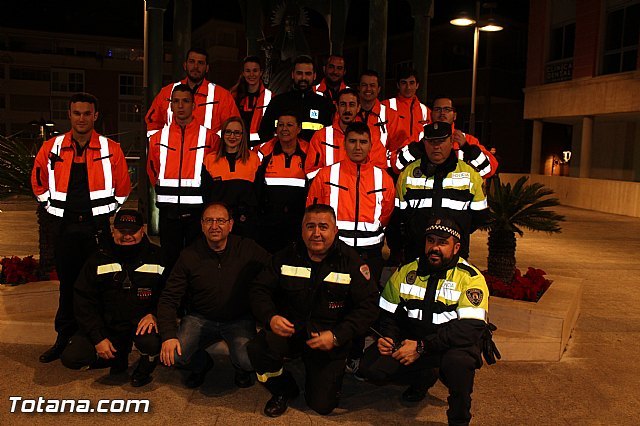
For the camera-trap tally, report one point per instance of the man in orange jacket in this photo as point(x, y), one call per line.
point(327, 145)
point(333, 81)
point(80, 178)
point(413, 115)
point(466, 146)
point(213, 104)
point(174, 166)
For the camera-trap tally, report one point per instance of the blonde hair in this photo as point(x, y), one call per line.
point(243, 149)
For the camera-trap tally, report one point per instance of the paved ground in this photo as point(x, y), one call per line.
point(596, 383)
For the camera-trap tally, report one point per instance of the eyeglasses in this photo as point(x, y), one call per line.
point(236, 133)
point(443, 109)
point(218, 221)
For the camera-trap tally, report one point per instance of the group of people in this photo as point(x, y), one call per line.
point(274, 210)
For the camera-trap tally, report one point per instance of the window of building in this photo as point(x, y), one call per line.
point(68, 81)
point(129, 112)
point(130, 85)
point(33, 74)
point(59, 108)
point(621, 39)
point(562, 42)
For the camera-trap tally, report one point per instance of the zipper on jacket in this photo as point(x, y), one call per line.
point(413, 101)
point(355, 234)
point(182, 130)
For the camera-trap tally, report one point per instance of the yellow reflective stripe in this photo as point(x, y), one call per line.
point(307, 125)
point(262, 378)
point(107, 269)
point(150, 268)
point(338, 278)
point(295, 271)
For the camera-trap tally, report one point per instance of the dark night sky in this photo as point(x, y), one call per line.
point(124, 18)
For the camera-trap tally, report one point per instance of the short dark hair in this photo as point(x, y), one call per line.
point(217, 204)
point(253, 58)
point(182, 87)
point(333, 56)
point(290, 113)
point(357, 127)
point(442, 96)
point(349, 91)
point(199, 51)
point(406, 72)
point(84, 97)
point(320, 208)
point(371, 73)
point(303, 59)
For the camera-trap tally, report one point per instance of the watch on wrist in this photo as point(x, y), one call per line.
point(420, 347)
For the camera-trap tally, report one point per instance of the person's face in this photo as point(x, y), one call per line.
point(83, 116)
point(407, 87)
point(369, 88)
point(443, 111)
point(348, 107)
point(182, 105)
point(232, 136)
point(319, 230)
point(438, 150)
point(334, 70)
point(125, 237)
point(196, 67)
point(288, 128)
point(252, 73)
point(440, 250)
point(303, 75)
point(357, 146)
point(216, 224)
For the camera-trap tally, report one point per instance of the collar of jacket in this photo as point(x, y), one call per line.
point(375, 109)
point(425, 269)
point(94, 142)
point(440, 170)
point(203, 88)
point(351, 167)
point(110, 249)
point(232, 240)
point(402, 100)
point(277, 148)
point(301, 251)
point(174, 126)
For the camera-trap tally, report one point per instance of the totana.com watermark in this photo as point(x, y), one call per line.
point(42, 405)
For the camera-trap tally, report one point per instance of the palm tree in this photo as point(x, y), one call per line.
point(511, 209)
point(16, 162)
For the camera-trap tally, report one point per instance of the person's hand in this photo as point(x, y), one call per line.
point(322, 341)
point(147, 324)
point(281, 326)
point(106, 350)
point(458, 137)
point(168, 351)
point(385, 345)
point(407, 354)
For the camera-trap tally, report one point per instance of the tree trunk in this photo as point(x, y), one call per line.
point(502, 254)
point(46, 243)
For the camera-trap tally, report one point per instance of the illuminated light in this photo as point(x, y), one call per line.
point(463, 21)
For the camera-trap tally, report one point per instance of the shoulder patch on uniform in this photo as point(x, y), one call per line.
point(475, 296)
point(364, 270)
point(411, 277)
point(467, 268)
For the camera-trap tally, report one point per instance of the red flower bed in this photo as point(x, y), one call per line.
point(16, 271)
point(528, 287)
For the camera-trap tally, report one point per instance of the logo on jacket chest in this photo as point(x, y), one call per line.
point(314, 114)
point(144, 293)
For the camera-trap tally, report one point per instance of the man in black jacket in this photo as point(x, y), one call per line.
point(312, 301)
point(214, 273)
point(314, 110)
point(115, 302)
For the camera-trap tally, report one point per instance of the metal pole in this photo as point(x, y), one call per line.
point(474, 72)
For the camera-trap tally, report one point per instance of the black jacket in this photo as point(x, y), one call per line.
point(310, 107)
point(331, 295)
point(102, 302)
point(216, 285)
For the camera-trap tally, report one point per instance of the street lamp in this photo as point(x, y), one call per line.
point(490, 26)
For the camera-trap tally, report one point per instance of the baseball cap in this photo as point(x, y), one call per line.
point(437, 130)
point(443, 228)
point(128, 220)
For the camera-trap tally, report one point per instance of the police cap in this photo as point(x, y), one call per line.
point(437, 130)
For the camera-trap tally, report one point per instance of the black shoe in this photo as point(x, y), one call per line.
point(244, 379)
point(138, 380)
point(119, 365)
point(196, 378)
point(415, 393)
point(54, 351)
point(276, 406)
point(142, 374)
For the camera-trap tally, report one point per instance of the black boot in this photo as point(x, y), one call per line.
point(196, 378)
point(142, 374)
point(54, 351)
point(244, 379)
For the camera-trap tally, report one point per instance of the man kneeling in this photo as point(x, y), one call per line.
point(434, 312)
point(115, 300)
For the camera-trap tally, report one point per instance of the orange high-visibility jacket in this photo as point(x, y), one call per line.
point(383, 123)
point(413, 116)
point(327, 148)
point(322, 90)
point(175, 159)
point(362, 196)
point(109, 183)
point(213, 105)
point(260, 106)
